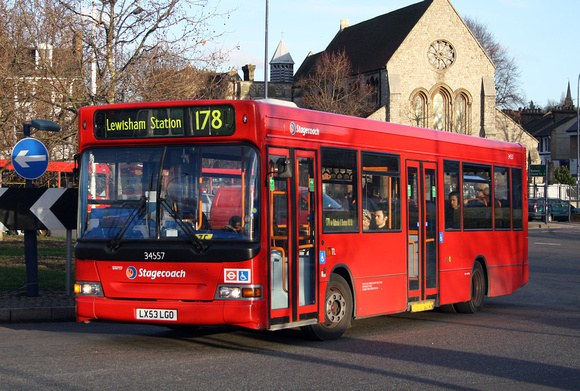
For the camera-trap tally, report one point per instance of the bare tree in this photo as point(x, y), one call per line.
point(120, 38)
point(509, 94)
point(37, 75)
point(332, 86)
point(59, 55)
point(169, 78)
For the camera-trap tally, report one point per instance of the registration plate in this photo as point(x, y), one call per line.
point(156, 314)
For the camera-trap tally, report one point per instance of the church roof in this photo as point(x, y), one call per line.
point(282, 55)
point(307, 64)
point(369, 45)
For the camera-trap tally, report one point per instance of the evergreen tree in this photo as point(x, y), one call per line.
point(562, 175)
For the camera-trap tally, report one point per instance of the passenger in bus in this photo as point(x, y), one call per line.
point(235, 224)
point(483, 196)
point(453, 212)
point(371, 199)
point(366, 220)
point(479, 199)
point(381, 219)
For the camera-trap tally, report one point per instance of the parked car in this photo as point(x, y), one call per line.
point(557, 209)
point(573, 210)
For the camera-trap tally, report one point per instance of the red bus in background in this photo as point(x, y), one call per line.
point(269, 217)
point(58, 174)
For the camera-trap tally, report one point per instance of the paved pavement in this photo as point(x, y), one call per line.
point(49, 306)
point(57, 306)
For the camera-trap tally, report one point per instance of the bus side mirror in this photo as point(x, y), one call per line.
point(284, 168)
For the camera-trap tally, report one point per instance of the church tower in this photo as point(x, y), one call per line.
point(282, 65)
point(568, 102)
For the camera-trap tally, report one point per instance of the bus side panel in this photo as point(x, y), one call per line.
point(454, 269)
point(501, 252)
point(381, 295)
point(504, 280)
point(377, 262)
point(455, 285)
point(507, 266)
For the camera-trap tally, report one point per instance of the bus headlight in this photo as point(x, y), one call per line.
point(239, 292)
point(88, 289)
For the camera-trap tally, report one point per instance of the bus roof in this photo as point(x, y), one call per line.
point(298, 125)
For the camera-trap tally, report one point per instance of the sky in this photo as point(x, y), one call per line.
point(542, 36)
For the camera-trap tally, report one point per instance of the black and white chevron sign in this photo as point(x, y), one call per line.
point(33, 209)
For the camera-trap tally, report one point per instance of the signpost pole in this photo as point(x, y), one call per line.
point(30, 244)
point(30, 239)
point(546, 195)
point(31, 256)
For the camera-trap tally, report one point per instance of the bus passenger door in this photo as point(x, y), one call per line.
point(422, 235)
point(292, 227)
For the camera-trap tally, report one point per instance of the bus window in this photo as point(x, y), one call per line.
point(501, 192)
point(517, 192)
point(477, 208)
point(339, 192)
point(452, 195)
point(381, 185)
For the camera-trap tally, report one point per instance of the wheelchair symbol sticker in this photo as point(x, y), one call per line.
point(240, 276)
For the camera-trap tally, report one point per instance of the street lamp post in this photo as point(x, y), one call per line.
point(266, 56)
point(578, 145)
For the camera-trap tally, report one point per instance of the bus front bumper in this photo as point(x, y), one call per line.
point(244, 313)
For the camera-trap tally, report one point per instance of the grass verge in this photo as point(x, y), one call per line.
point(51, 263)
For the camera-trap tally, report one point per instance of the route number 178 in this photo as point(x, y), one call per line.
point(202, 117)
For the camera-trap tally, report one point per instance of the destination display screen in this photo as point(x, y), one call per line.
point(180, 121)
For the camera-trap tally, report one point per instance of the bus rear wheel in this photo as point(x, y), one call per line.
point(478, 284)
point(338, 309)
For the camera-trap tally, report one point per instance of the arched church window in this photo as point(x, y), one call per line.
point(419, 110)
point(372, 89)
point(461, 114)
point(438, 112)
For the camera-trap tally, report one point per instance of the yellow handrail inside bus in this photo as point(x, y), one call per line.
point(284, 262)
point(415, 252)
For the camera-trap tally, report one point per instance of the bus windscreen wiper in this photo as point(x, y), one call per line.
point(186, 228)
point(138, 211)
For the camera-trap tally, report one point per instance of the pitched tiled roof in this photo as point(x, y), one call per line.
point(369, 45)
point(573, 128)
point(542, 127)
point(307, 65)
point(538, 124)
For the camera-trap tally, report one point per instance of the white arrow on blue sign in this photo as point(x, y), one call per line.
point(30, 158)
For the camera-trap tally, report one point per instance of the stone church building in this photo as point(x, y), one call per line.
point(427, 69)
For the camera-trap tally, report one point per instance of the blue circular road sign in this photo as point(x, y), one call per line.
point(30, 158)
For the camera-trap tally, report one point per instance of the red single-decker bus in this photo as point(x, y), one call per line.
point(265, 216)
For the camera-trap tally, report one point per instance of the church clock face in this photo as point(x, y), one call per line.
point(441, 54)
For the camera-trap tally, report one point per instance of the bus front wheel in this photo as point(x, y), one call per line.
point(475, 304)
point(338, 309)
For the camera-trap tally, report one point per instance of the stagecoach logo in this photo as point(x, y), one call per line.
point(297, 129)
point(131, 272)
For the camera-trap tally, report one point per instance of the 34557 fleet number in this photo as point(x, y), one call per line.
point(153, 255)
